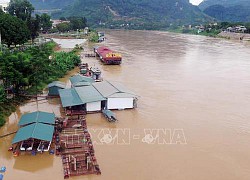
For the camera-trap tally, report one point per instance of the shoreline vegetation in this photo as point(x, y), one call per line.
point(28, 72)
point(227, 30)
point(215, 34)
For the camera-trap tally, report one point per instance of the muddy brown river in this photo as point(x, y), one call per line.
point(192, 120)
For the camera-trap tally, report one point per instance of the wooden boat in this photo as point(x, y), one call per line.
point(109, 115)
point(84, 69)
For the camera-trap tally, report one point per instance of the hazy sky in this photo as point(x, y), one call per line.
point(195, 2)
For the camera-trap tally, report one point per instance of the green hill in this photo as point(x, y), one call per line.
point(235, 13)
point(226, 3)
point(148, 14)
point(227, 10)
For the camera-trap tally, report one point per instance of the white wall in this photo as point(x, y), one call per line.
point(120, 103)
point(94, 106)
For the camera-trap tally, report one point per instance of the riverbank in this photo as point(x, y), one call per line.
point(215, 34)
point(235, 36)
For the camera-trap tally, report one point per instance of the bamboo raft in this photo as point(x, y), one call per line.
point(76, 149)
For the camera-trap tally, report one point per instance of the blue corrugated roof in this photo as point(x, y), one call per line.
point(69, 97)
point(79, 78)
point(89, 94)
point(57, 84)
point(79, 95)
point(36, 131)
point(41, 117)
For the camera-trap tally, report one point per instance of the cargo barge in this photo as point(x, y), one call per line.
point(107, 56)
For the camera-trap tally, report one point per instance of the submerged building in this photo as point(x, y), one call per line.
point(92, 97)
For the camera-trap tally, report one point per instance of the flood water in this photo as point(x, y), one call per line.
point(197, 88)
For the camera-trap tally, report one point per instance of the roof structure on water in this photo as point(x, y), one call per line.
point(69, 97)
point(113, 89)
point(89, 94)
point(57, 84)
point(36, 131)
point(79, 78)
point(37, 117)
point(79, 84)
point(79, 95)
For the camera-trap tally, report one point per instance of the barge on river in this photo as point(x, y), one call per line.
point(107, 56)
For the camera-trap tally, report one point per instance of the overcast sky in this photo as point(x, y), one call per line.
point(195, 2)
point(4, 1)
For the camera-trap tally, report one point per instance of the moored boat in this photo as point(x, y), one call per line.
point(96, 74)
point(107, 56)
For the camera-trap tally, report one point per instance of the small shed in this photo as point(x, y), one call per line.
point(54, 88)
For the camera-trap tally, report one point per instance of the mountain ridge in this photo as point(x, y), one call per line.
point(143, 13)
point(227, 10)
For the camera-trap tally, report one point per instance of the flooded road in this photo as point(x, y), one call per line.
point(196, 88)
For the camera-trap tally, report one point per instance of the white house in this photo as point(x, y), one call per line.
point(117, 96)
point(97, 96)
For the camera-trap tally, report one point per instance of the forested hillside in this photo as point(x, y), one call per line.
point(145, 13)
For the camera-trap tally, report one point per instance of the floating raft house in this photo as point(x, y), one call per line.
point(35, 129)
point(97, 96)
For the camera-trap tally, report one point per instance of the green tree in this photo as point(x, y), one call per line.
point(34, 27)
point(63, 27)
point(13, 30)
point(21, 9)
point(45, 22)
point(2, 95)
point(63, 18)
point(77, 22)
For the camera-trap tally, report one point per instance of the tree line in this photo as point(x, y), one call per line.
point(71, 23)
point(18, 25)
point(28, 71)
